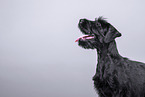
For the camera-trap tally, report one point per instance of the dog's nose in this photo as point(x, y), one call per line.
point(81, 21)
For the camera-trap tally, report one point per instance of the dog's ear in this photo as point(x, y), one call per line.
point(111, 34)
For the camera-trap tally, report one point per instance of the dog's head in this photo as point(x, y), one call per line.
point(97, 33)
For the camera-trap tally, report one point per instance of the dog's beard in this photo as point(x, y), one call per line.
point(86, 41)
point(87, 44)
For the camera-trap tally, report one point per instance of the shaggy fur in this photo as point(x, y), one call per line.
point(115, 76)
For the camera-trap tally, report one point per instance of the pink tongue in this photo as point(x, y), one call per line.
point(84, 37)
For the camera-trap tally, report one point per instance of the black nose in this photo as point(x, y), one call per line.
point(81, 21)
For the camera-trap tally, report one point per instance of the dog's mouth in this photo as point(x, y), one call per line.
point(84, 37)
point(84, 27)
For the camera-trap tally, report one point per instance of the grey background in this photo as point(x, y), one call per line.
point(38, 55)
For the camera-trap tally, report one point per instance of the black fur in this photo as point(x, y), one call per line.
point(115, 76)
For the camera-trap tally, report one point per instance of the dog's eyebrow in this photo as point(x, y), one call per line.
point(101, 28)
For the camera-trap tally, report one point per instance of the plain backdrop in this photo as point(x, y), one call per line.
point(38, 53)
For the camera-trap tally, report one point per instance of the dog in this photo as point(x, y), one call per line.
point(115, 76)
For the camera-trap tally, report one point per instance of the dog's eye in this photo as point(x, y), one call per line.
point(98, 24)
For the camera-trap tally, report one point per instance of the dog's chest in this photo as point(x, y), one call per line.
point(105, 72)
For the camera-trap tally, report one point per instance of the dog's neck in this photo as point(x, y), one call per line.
point(108, 50)
point(106, 56)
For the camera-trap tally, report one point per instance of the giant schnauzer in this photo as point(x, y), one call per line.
point(115, 76)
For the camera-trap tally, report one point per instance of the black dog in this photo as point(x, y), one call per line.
point(115, 76)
